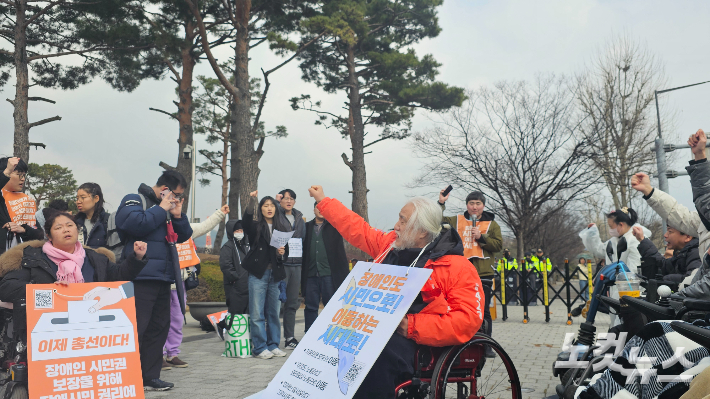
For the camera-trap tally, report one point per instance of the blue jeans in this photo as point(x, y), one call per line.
point(264, 307)
point(584, 290)
point(316, 288)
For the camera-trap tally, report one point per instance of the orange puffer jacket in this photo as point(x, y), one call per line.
point(453, 294)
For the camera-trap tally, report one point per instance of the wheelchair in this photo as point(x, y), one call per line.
point(13, 352)
point(462, 372)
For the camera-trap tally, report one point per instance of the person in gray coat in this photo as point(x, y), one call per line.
point(236, 279)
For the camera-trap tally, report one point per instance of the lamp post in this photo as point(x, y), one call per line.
point(660, 146)
point(190, 152)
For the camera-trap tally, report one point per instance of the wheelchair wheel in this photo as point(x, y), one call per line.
point(463, 372)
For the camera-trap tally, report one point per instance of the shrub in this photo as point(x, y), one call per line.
point(211, 287)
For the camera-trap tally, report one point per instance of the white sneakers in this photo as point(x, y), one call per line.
point(267, 354)
point(278, 352)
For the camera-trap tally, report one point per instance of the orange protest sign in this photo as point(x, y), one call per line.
point(188, 255)
point(471, 249)
point(215, 318)
point(21, 207)
point(83, 348)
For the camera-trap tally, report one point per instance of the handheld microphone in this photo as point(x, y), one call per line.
point(448, 190)
point(474, 219)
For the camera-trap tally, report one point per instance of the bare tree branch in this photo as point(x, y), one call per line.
point(164, 112)
point(43, 121)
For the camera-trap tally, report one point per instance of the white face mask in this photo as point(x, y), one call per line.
point(239, 236)
point(614, 232)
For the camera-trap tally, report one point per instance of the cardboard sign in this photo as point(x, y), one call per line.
point(464, 227)
point(187, 254)
point(346, 339)
point(82, 341)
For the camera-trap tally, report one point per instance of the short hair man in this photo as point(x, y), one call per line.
point(161, 217)
point(418, 232)
point(325, 264)
point(17, 210)
point(482, 239)
point(685, 257)
point(293, 218)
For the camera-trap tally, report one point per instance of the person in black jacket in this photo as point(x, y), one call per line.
point(92, 219)
point(22, 229)
point(685, 257)
point(35, 262)
point(236, 279)
point(325, 265)
point(265, 265)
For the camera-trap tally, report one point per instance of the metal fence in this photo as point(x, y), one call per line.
point(525, 287)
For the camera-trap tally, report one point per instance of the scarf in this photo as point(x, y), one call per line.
point(69, 264)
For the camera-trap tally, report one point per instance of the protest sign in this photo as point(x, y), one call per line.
point(82, 341)
point(280, 239)
point(295, 248)
point(215, 318)
point(346, 339)
point(187, 254)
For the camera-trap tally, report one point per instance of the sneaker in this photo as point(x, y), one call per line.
point(576, 312)
point(291, 344)
point(157, 385)
point(176, 362)
point(166, 366)
point(278, 352)
point(266, 354)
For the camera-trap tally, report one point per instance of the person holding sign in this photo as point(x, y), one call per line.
point(293, 218)
point(265, 265)
point(64, 260)
point(449, 310)
point(17, 210)
point(482, 238)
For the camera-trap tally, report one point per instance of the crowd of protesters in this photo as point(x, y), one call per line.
point(138, 243)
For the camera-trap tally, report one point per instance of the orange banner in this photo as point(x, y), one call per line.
point(187, 253)
point(471, 249)
point(21, 207)
point(83, 348)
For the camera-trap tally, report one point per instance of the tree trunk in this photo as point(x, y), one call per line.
point(21, 144)
point(357, 141)
point(247, 161)
point(225, 186)
point(185, 108)
point(521, 247)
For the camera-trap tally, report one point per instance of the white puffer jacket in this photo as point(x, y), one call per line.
point(200, 229)
point(631, 257)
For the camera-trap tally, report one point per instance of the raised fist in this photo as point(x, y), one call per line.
point(317, 193)
point(140, 248)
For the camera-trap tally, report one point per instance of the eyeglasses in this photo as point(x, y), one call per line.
point(178, 196)
point(289, 199)
point(20, 175)
point(81, 199)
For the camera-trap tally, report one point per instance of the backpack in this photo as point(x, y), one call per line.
point(114, 239)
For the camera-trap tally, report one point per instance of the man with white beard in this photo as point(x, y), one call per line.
point(448, 310)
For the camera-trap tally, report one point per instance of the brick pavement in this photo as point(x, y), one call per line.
point(533, 347)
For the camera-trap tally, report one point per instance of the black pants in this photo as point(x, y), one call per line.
point(488, 294)
point(395, 365)
point(153, 319)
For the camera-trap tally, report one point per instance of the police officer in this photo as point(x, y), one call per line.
point(510, 265)
point(539, 262)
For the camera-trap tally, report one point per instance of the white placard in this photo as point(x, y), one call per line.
point(295, 248)
point(343, 343)
point(280, 238)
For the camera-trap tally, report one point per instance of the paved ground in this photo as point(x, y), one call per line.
point(532, 346)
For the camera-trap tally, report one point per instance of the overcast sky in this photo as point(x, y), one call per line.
point(112, 138)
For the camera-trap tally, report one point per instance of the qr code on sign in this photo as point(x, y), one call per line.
point(44, 299)
point(352, 374)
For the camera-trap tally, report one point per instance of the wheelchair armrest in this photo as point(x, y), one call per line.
point(651, 310)
point(695, 333)
point(487, 281)
point(611, 302)
point(697, 304)
point(676, 297)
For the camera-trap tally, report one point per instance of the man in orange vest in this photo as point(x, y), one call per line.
point(481, 238)
point(17, 210)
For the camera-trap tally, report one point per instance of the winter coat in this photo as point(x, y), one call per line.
point(236, 279)
point(150, 226)
point(700, 183)
point(262, 254)
point(454, 310)
point(334, 251)
point(674, 269)
point(298, 228)
point(631, 257)
point(679, 217)
point(491, 242)
point(27, 264)
point(31, 233)
point(96, 238)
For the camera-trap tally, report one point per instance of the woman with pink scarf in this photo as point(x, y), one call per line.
point(63, 260)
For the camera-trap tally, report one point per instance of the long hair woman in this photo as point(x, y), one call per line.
point(92, 219)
